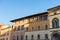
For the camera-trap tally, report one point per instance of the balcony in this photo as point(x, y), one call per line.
point(55, 29)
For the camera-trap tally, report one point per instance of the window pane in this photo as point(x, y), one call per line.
point(32, 28)
point(40, 18)
point(46, 27)
point(45, 17)
point(22, 27)
point(38, 28)
point(18, 27)
point(55, 23)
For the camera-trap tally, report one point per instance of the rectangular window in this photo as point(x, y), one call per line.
point(38, 28)
point(22, 27)
point(46, 36)
point(45, 17)
point(26, 28)
point(40, 19)
point(18, 27)
point(32, 28)
point(46, 27)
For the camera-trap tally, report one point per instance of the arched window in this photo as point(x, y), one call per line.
point(26, 37)
point(55, 23)
point(32, 37)
point(22, 27)
point(38, 37)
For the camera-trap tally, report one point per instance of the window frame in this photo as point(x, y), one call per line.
point(38, 28)
point(55, 23)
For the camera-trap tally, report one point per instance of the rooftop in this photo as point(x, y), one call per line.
point(56, 7)
point(29, 16)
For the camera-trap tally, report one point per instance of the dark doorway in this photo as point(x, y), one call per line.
point(56, 36)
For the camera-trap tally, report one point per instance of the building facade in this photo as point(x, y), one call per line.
point(54, 21)
point(5, 32)
point(41, 26)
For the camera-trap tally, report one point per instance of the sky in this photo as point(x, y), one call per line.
point(13, 9)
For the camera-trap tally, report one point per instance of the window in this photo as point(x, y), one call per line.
point(46, 27)
point(32, 28)
point(40, 18)
point(45, 17)
point(38, 37)
point(17, 37)
point(55, 23)
point(38, 28)
point(26, 37)
point(32, 37)
point(22, 27)
point(46, 36)
point(21, 37)
point(26, 28)
point(55, 13)
point(18, 28)
point(7, 33)
point(6, 38)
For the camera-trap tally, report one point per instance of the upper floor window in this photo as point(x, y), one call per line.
point(55, 23)
point(22, 27)
point(45, 17)
point(32, 28)
point(38, 28)
point(26, 28)
point(40, 18)
point(18, 28)
point(46, 27)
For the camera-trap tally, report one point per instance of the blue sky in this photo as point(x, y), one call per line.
point(12, 9)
